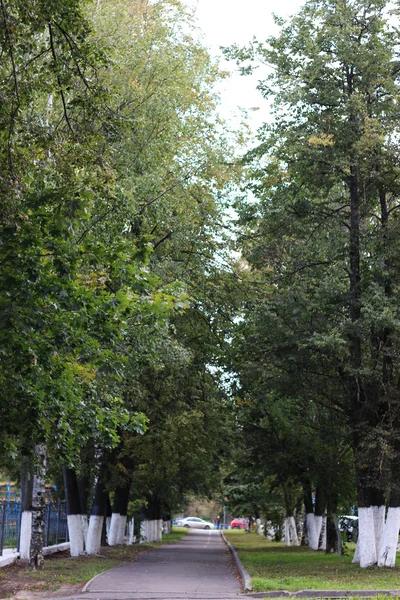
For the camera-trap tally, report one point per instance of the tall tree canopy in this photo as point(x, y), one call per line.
point(324, 227)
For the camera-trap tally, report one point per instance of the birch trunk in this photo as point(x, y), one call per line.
point(36, 558)
point(322, 535)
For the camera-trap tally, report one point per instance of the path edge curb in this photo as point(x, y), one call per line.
point(246, 579)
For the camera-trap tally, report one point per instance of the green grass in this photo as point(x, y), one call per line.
point(272, 566)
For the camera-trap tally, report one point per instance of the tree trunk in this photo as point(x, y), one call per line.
point(388, 548)
point(119, 515)
point(26, 509)
point(333, 535)
point(97, 516)
point(298, 515)
point(36, 559)
point(76, 520)
point(312, 529)
point(371, 514)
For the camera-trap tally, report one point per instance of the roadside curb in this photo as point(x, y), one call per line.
point(246, 579)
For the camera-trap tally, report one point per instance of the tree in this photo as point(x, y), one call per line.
point(329, 175)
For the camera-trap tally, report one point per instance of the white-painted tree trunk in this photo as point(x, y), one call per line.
point(356, 557)
point(116, 533)
point(258, 527)
point(76, 534)
point(313, 535)
point(93, 542)
point(318, 527)
point(167, 526)
point(293, 531)
point(159, 530)
point(287, 532)
point(366, 537)
point(25, 535)
point(388, 548)
point(131, 532)
point(108, 525)
point(379, 525)
point(143, 532)
point(85, 528)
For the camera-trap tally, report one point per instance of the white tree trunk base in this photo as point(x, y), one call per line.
point(25, 535)
point(287, 532)
point(143, 532)
point(379, 526)
point(293, 531)
point(159, 530)
point(312, 531)
point(322, 535)
point(131, 532)
point(93, 542)
point(85, 529)
point(387, 553)
point(366, 537)
point(259, 530)
point(76, 535)
point(116, 533)
point(356, 557)
point(318, 527)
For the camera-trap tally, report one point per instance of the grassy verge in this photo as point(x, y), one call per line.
point(272, 566)
point(63, 575)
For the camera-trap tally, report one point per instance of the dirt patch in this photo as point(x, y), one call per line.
point(17, 582)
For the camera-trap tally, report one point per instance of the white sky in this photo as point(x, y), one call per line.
point(225, 22)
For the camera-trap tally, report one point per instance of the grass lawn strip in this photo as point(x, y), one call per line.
point(272, 566)
point(64, 576)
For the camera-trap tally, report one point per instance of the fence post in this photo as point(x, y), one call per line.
point(3, 522)
point(58, 521)
point(48, 506)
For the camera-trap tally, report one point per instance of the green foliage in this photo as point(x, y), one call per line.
point(113, 169)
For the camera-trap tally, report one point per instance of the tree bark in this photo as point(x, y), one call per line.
point(36, 560)
point(119, 515)
point(76, 520)
point(97, 516)
point(27, 477)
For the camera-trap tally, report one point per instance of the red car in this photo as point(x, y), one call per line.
point(239, 523)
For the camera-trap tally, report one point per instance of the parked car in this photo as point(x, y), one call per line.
point(195, 523)
point(239, 523)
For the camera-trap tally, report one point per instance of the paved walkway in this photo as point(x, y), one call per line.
point(199, 567)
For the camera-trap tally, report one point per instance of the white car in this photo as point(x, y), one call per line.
point(195, 523)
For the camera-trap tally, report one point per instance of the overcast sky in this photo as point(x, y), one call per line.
point(225, 22)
